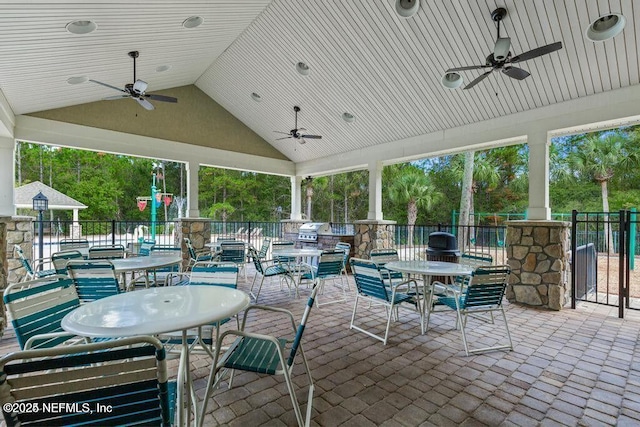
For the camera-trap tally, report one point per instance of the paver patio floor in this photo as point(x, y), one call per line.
point(568, 368)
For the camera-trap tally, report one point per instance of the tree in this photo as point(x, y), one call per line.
point(414, 188)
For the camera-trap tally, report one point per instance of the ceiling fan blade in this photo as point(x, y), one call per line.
point(470, 67)
point(161, 98)
point(109, 86)
point(539, 51)
point(285, 137)
point(311, 136)
point(140, 87)
point(145, 104)
point(115, 97)
point(516, 73)
point(478, 79)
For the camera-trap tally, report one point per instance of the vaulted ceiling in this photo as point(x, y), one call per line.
point(363, 59)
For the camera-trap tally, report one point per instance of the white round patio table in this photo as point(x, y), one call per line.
point(123, 266)
point(156, 311)
point(427, 269)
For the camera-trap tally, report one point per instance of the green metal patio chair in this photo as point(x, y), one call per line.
point(371, 285)
point(197, 255)
point(60, 260)
point(119, 382)
point(346, 248)
point(381, 257)
point(483, 294)
point(265, 354)
point(267, 268)
point(235, 252)
point(106, 252)
point(329, 268)
point(33, 271)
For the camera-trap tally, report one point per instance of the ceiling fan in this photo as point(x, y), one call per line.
point(136, 90)
point(501, 58)
point(295, 133)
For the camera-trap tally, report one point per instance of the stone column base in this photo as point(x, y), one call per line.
point(538, 254)
point(373, 234)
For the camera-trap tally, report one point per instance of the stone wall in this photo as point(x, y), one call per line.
point(373, 235)
point(198, 230)
point(538, 254)
point(15, 230)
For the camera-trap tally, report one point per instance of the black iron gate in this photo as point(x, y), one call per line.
point(603, 254)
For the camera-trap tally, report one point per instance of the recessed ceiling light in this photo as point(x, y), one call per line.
point(193, 22)
point(348, 117)
point(77, 80)
point(605, 27)
point(407, 8)
point(452, 80)
point(162, 68)
point(256, 97)
point(81, 27)
point(302, 68)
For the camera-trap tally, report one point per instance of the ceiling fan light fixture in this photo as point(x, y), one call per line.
point(77, 80)
point(81, 26)
point(302, 68)
point(452, 80)
point(407, 8)
point(348, 117)
point(256, 97)
point(605, 27)
point(193, 22)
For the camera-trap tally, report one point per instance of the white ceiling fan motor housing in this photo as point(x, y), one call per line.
point(501, 49)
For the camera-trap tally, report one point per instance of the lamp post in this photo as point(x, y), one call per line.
point(40, 204)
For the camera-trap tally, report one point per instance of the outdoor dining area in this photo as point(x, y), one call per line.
point(309, 337)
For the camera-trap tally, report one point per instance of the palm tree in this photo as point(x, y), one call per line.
point(414, 188)
point(598, 157)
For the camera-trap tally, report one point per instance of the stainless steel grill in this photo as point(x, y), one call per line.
point(309, 232)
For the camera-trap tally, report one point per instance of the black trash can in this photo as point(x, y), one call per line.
point(442, 247)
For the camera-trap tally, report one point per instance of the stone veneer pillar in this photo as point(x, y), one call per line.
point(198, 230)
point(14, 230)
point(373, 234)
point(538, 254)
point(290, 228)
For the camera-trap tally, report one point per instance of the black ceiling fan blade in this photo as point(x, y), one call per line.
point(285, 137)
point(516, 73)
point(470, 67)
point(311, 136)
point(109, 86)
point(116, 97)
point(539, 51)
point(478, 79)
point(161, 98)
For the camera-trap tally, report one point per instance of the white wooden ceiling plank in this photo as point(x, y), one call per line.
point(630, 35)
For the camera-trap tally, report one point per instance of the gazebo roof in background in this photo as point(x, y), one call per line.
point(57, 201)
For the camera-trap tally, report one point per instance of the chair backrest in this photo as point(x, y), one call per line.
point(190, 249)
point(106, 252)
point(37, 307)
point(283, 245)
point(93, 279)
point(303, 323)
point(487, 286)
point(146, 247)
point(232, 251)
point(266, 244)
point(383, 256)
point(369, 281)
point(346, 247)
point(330, 263)
point(257, 261)
point(476, 259)
point(24, 260)
point(60, 259)
point(123, 382)
point(67, 244)
point(214, 274)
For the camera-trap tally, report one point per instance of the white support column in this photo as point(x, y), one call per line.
point(296, 201)
point(7, 176)
point(375, 191)
point(539, 143)
point(192, 166)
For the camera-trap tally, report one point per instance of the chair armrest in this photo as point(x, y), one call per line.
point(43, 337)
point(173, 279)
point(440, 288)
point(268, 308)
